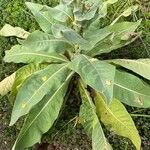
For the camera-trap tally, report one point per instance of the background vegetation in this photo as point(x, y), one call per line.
point(72, 137)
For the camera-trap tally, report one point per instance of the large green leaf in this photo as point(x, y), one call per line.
point(41, 117)
point(23, 73)
point(44, 18)
point(9, 30)
point(39, 41)
point(139, 66)
point(131, 90)
point(97, 74)
point(121, 34)
point(22, 54)
point(116, 117)
point(6, 84)
point(36, 87)
point(90, 121)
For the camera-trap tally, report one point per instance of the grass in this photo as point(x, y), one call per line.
point(65, 133)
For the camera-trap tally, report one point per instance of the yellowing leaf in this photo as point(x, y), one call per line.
point(9, 30)
point(118, 119)
point(6, 84)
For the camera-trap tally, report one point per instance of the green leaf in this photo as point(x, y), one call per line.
point(23, 73)
point(95, 37)
point(36, 87)
point(90, 121)
point(22, 54)
point(6, 84)
point(126, 13)
point(139, 66)
point(61, 13)
point(93, 26)
point(39, 41)
point(9, 30)
point(60, 31)
point(91, 6)
point(41, 117)
point(117, 119)
point(117, 38)
point(44, 18)
point(131, 90)
point(97, 74)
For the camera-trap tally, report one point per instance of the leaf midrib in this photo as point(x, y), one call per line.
point(125, 125)
point(128, 60)
point(40, 112)
point(50, 40)
point(96, 71)
point(45, 105)
point(44, 55)
point(123, 87)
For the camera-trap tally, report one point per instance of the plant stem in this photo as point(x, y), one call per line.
point(140, 115)
point(126, 146)
point(136, 111)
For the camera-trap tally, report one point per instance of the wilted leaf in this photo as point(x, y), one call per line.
point(6, 84)
point(9, 30)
